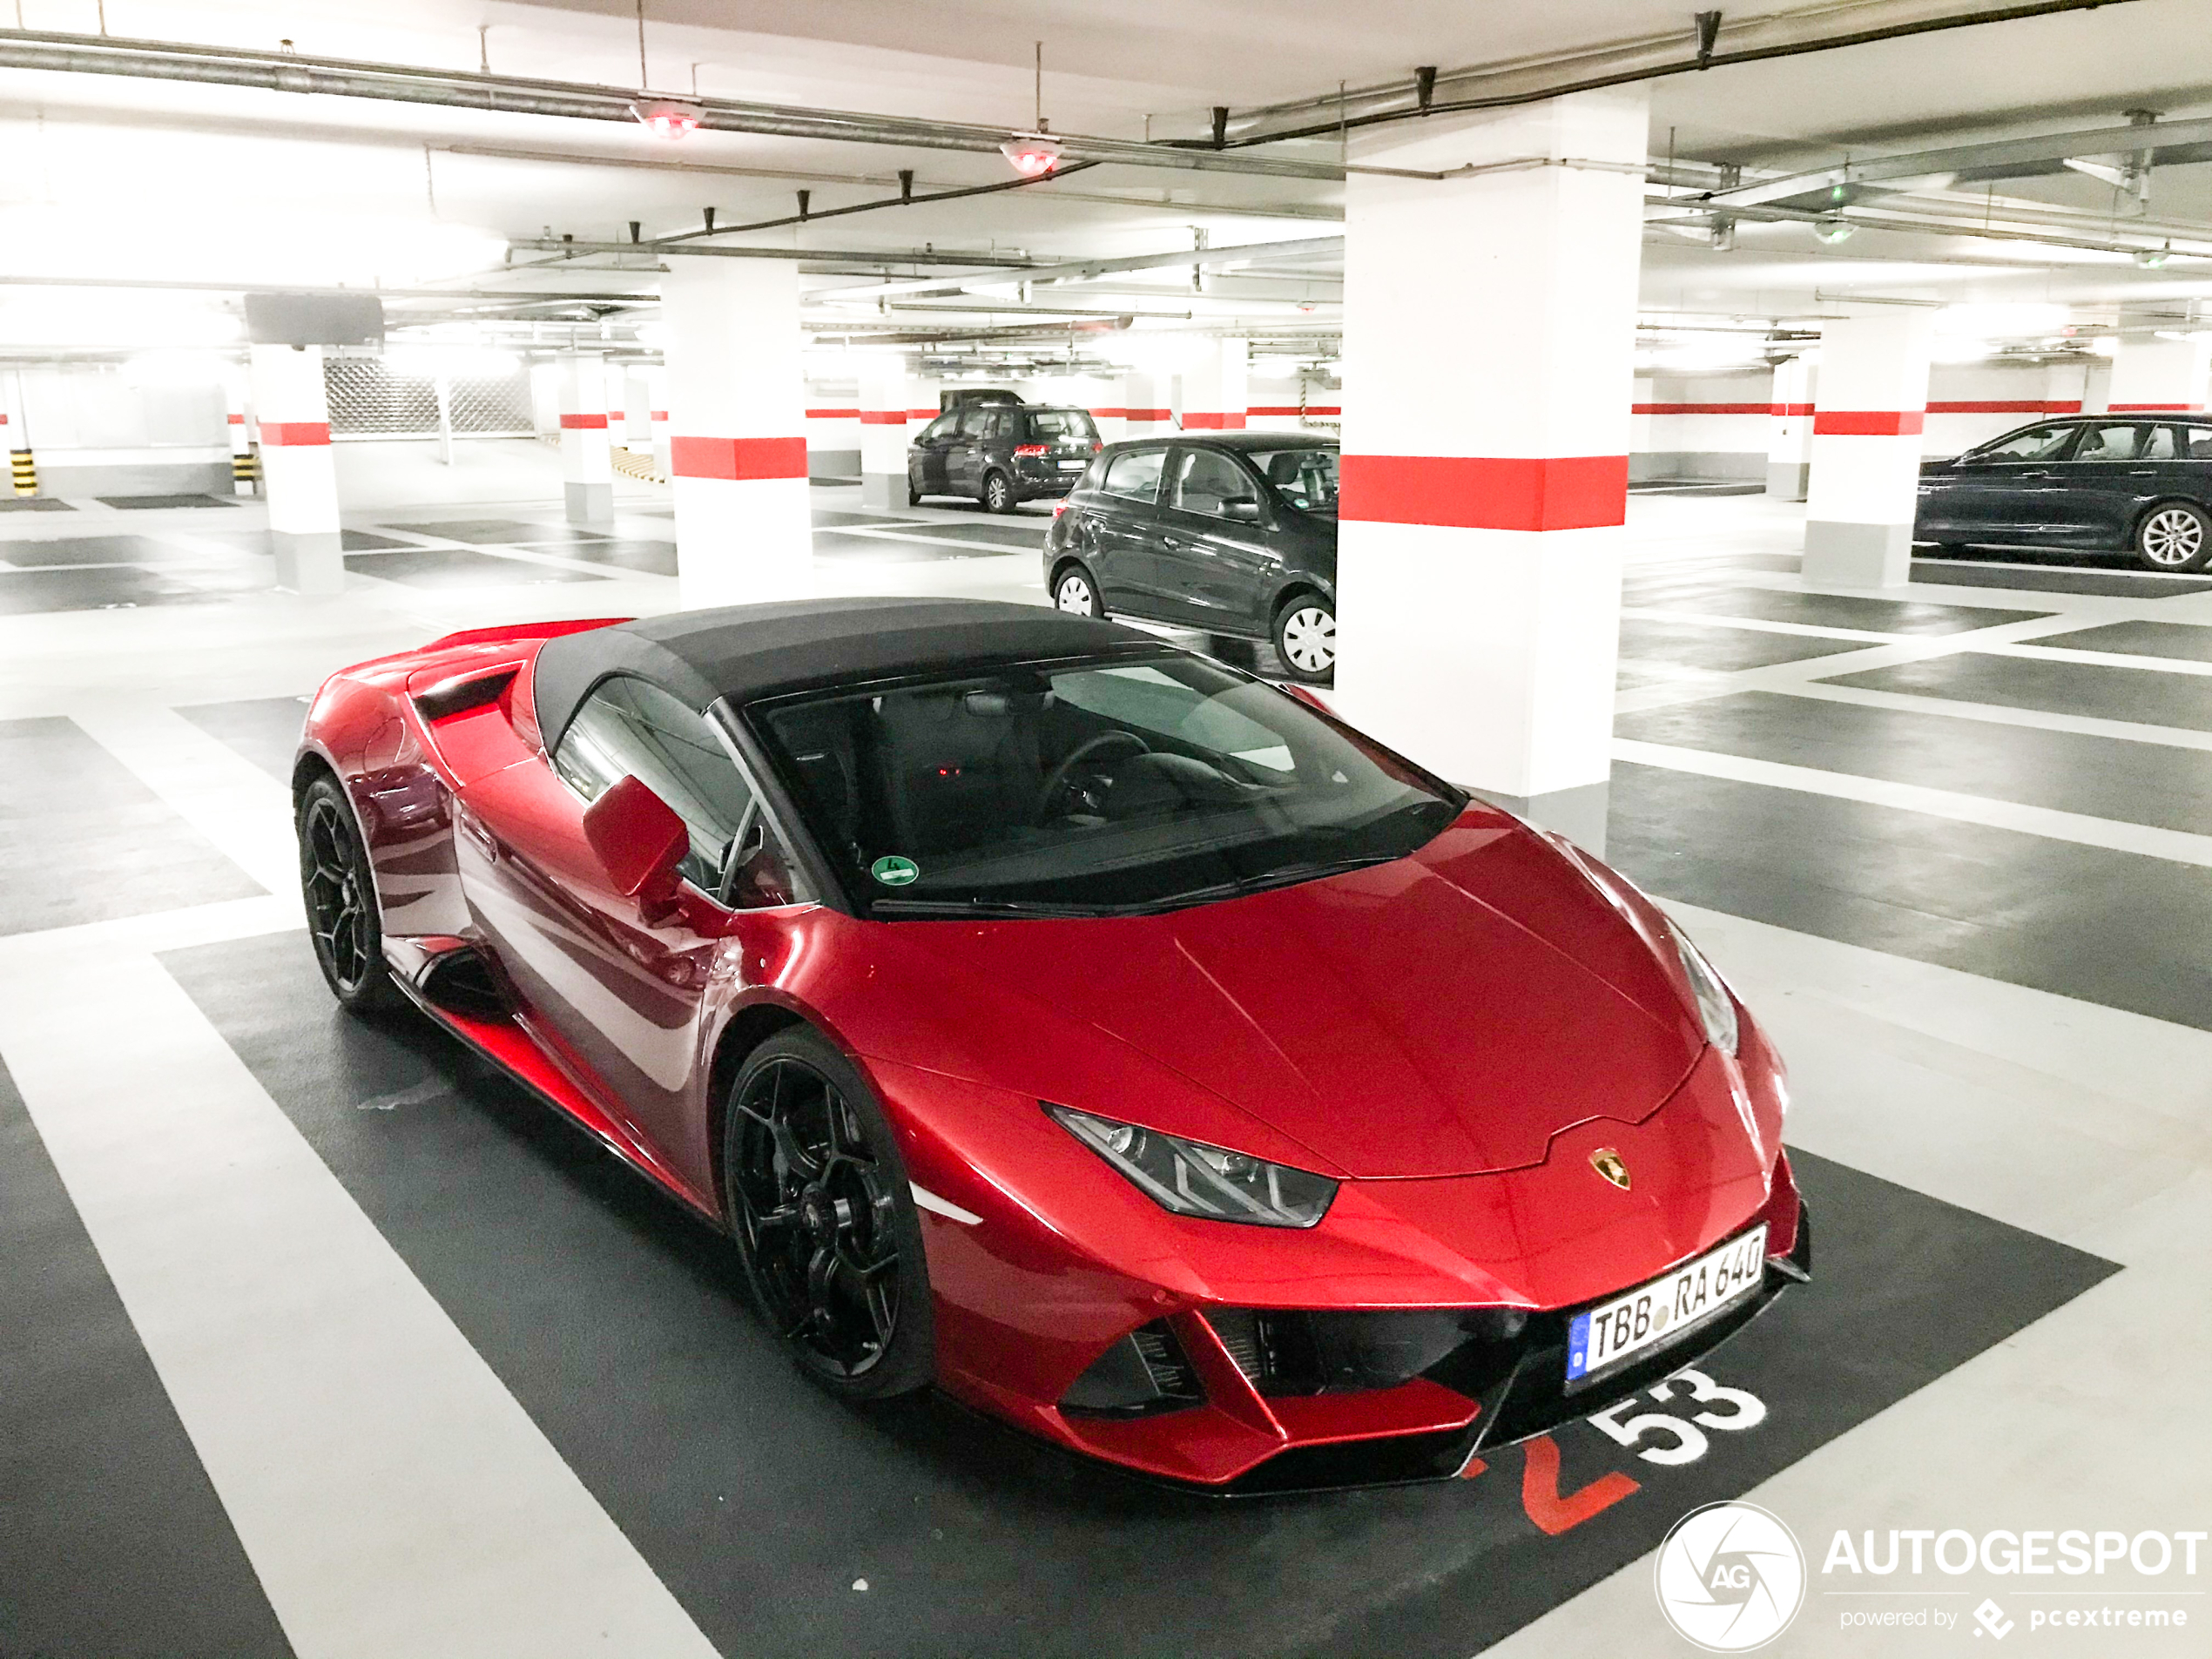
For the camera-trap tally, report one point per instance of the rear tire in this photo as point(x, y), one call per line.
point(998, 493)
point(825, 1220)
point(1304, 637)
point(339, 894)
point(913, 495)
point(1076, 592)
point(2175, 536)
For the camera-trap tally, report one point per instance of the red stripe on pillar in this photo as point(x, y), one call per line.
point(294, 435)
point(1706, 408)
point(1486, 493)
point(235, 419)
point(883, 417)
point(2000, 406)
point(832, 414)
point(1207, 420)
point(1292, 409)
point(2155, 409)
point(660, 415)
point(1792, 411)
point(1154, 415)
point(1867, 424)
point(737, 457)
point(583, 423)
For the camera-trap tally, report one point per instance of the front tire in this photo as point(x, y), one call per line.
point(339, 894)
point(913, 495)
point(2175, 536)
point(1304, 637)
point(1076, 593)
point(998, 493)
point(825, 1223)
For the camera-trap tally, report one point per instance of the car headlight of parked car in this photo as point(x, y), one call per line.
point(1715, 1008)
point(1194, 1179)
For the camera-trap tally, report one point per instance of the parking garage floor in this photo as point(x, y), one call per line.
point(1950, 843)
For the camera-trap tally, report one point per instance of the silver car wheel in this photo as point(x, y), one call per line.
point(1310, 639)
point(2172, 536)
point(1074, 595)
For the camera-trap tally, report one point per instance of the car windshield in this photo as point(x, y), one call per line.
point(1306, 478)
point(1062, 426)
point(1119, 785)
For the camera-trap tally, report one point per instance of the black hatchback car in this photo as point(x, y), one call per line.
point(1000, 455)
point(1233, 533)
point(2098, 482)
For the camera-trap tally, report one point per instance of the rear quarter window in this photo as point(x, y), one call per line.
point(1060, 426)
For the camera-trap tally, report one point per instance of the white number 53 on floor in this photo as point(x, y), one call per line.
point(1728, 1410)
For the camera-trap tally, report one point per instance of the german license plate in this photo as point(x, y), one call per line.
point(1643, 1318)
point(1073, 466)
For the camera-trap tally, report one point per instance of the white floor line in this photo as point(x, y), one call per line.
point(2085, 1123)
point(241, 809)
point(1994, 714)
point(2097, 658)
point(2178, 846)
point(392, 1495)
point(1756, 625)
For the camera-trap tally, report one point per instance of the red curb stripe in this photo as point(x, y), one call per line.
point(1867, 424)
point(737, 457)
point(294, 435)
point(1479, 492)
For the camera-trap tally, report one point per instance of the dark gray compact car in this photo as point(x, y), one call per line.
point(2120, 483)
point(1000, 455)
point(1233, 533)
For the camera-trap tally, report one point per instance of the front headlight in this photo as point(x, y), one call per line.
point(1715, 1008)
point(1194, 1179)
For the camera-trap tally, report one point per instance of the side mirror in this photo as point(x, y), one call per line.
point(1243, 508)
point(639, 841)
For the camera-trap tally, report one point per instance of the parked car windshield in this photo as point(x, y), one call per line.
point(1305, 477)
point(1116, 785)
point(1062, 426)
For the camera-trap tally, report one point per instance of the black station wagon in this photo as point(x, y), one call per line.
point(2120, 483)
point(1000, 454)
point(1233, 533)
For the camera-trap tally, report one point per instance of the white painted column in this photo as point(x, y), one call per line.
point(737, 405)
point(883, 431)
point(1217, 387)
point(636, 411)
point(292, 416)
point(1480, 553)
point(1865, 478)
point(587, 470)
point(1144, 407)
point(2159, 372)
point(235, 402)
point(657, 397)
point(1788, 455)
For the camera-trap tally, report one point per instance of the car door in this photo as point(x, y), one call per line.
point(964, 460)
point(2005, 491)
point(2113, 473)
point(1216, 563)
point(926, 456)
point(618, 999)
point(1118, 528)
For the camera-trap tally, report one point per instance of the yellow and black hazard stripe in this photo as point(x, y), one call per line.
point(246, 466)
point(26, 471)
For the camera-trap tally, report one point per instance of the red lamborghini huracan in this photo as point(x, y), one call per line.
point(1116, 1041)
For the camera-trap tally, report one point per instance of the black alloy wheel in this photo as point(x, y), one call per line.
point(341, 897)
point(2175, 536)
point(998, 493)
point(825, 1220)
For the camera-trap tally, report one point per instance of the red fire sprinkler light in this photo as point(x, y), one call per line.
point(667, 118)
point(1032, 153)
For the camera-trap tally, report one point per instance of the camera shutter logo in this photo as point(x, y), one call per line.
point(1729, 1577)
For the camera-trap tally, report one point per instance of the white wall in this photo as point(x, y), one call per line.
point(114, 429)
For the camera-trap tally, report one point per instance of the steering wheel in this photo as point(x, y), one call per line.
point(1081, 752)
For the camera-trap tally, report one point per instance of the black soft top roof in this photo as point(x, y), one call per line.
point(747, 651)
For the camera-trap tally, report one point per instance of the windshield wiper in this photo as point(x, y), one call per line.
point(1285, 875)
point(979, 908)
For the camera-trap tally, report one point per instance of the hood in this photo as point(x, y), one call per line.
point(1446, 1013)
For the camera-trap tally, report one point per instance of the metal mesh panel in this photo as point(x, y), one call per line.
point(368, 401)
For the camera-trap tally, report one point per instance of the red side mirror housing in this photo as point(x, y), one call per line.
point(639, 841)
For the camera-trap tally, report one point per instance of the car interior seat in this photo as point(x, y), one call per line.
point(962, 767)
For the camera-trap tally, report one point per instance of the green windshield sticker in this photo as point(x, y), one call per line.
point(894, 870)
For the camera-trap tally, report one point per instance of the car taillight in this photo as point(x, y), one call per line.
point(1060, 507)
point(1096, 448)
point(1021, 450)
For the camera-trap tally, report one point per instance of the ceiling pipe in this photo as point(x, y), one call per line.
point(1084, 270)
point(906, 198)
point(1327, 115)
point(407, 83)
point(825, 256)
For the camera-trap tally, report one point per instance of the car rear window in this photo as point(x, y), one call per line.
point(1062, 426)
